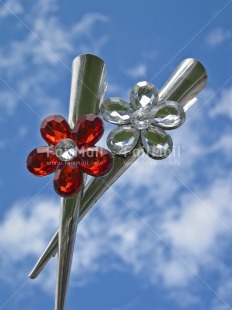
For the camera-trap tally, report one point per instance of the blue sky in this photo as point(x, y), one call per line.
point(161, 238)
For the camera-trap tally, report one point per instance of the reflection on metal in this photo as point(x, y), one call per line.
point(87, 91)
point(69, 217)
point(186, 82)
point(87, 86)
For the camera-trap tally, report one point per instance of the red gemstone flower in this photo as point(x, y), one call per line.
point(70, 153)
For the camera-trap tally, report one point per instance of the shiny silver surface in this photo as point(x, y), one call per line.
point(188, 80)
point(69, 217)
point(87, 88)
point(185, 83)
point(49, 252)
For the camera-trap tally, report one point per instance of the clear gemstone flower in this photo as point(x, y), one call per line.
point(143, 120)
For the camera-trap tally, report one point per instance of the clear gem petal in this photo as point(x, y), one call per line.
point(141, 119)
point(144, 95)
point(157, 143)
point(66, 150)
point(116, 111)
point(168, 115)
point(123, 140)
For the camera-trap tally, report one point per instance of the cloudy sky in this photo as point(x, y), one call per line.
point(161, 238)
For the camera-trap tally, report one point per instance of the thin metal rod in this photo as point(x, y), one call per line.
point(67, 232)
point(186, 82)
point(87, 87)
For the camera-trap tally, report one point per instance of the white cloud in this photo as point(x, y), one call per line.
point(223, 104)
point(185, 299)
point(224, 291)
point(86, 25)
point(24, 232)
point(10, 7)
point(33, 63)
point(24, 228)
point(218, 36)
point(139, 71)
point(196, 224)
point(223, 146)
point(45, 6)
point(48, 41)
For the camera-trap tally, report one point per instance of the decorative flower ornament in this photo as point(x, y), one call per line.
point(70, 153)
point(144, 119)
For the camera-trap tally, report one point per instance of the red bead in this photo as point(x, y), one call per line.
point(68, 180)
point(88, 130)
point(42, 161)
point(55, 128)
point(95, 161)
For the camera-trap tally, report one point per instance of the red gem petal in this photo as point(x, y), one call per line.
point(42, 161)
point(55, 128)
point(95, 161)
point(88, 130)
point(68, 180)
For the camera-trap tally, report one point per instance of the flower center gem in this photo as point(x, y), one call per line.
point(141, 119)
point(66, 150)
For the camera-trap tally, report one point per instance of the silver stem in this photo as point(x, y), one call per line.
point(185, 83)
point(69, 217)
point(87, 88)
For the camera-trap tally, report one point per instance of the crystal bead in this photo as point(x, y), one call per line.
point(141, 119)
point(123, 140)
point(168, 115)
point(68, 180)
point(54, 128)
point(116, 111)
point(66, 150)
point(156, 142)
point(42, 161)
point(144, 95)
point(88, 130)
point(95, 161)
